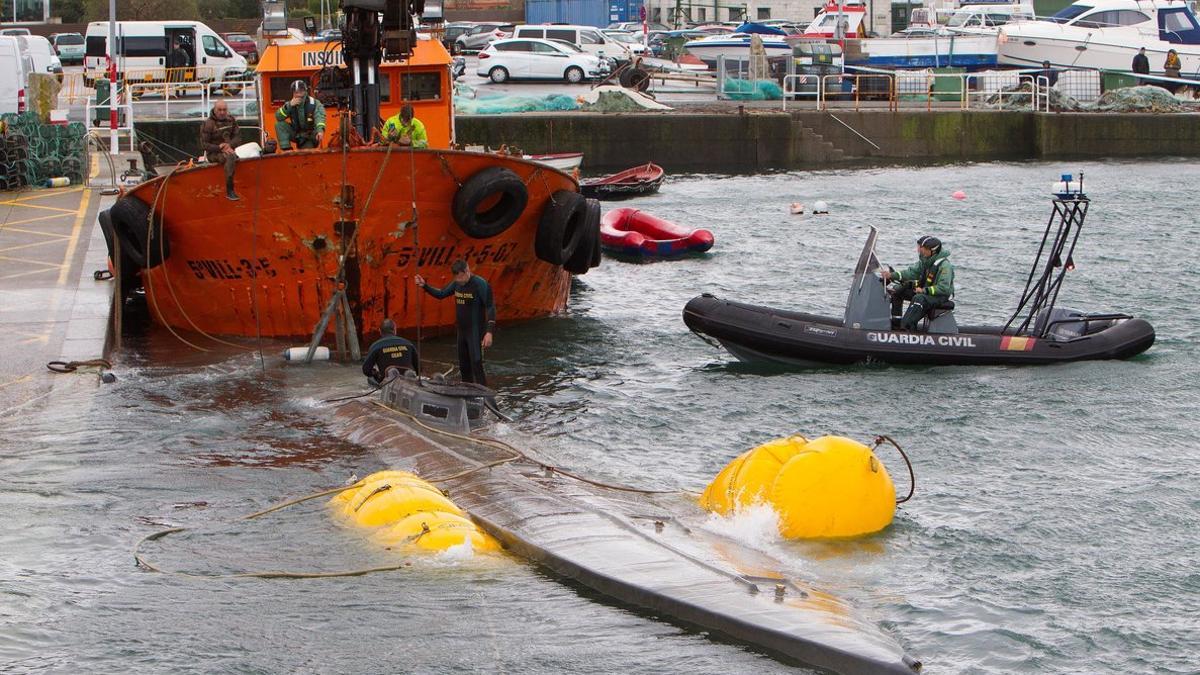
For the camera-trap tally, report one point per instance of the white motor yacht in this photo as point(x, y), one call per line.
point(1106, 34)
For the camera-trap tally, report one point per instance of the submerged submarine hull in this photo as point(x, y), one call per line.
point(630, 548)
point(755, 333)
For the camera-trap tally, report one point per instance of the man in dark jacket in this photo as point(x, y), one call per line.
point(389, 351)
point(218, 134)
point(178, 62)
point(928, 284)
point(1141, 64)
point(475, 317)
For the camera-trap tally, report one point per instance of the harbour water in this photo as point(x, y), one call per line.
point(1053, 528)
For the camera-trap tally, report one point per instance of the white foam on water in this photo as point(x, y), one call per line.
point(755, 526)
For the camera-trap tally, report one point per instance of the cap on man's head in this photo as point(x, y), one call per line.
point(458, 266)
point(931, 243)
point(388, 327)
point(299, 85)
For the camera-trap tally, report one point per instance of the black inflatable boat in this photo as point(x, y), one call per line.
point(1037, 333)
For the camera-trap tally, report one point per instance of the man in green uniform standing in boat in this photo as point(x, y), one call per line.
point(475, 317)
point(928, 284)
point(300, 121)
point(389, 351)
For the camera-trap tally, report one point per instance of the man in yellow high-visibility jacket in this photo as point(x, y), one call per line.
point(405, 129)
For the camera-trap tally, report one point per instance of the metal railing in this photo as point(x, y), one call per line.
point(169, 102)
point(929, 90)
point(124, 120)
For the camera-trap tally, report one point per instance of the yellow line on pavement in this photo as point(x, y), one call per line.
point(18, 205)
point(5, 226)
point(25, 274)
point(53, 266)
point(56, 235)
point(42, 194)
point(85, 199)
point(36, 243)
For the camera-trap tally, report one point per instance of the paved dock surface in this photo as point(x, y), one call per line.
point(48, 253)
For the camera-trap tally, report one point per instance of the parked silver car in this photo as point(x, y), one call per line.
point(482, 35)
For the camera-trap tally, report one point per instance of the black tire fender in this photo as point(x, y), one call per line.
point(589, 242)
point(561, 227)
point(479, 189)
point(130, 218)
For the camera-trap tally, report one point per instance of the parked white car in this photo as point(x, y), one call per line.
point(631, 41)
point(41, 52)
point(587, 38)
point(532, 59)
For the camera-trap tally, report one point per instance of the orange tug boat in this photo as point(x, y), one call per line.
point(366, 219)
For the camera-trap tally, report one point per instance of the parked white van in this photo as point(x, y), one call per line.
point(15, 66)
point(41, 52)
point(587, 38)
point(144, 46)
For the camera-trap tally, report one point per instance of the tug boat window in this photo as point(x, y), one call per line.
point(421, 87)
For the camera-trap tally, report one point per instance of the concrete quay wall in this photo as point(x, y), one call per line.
point(764, 141)
point(754, 141)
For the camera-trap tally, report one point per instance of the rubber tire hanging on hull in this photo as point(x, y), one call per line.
point(130, 222)
point(478, 189)
point(586, 254)
point(561, 228)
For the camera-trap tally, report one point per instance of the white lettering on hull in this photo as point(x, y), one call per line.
point(922, 340)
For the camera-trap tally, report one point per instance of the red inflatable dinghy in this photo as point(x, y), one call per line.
point(632, 232)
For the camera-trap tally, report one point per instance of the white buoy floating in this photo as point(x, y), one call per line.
point(797, 208)
point(820, 207)
point(298, 354)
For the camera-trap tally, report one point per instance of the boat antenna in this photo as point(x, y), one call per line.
point(1051, 264)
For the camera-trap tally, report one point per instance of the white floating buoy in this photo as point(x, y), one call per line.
point(820, 207)
point(959, 195)
point(797, 208)
point(298, 354)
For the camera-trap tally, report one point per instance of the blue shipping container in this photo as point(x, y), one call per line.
point(597, 13)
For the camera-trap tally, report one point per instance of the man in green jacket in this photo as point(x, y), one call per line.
point(301, 120)
point(928, 284)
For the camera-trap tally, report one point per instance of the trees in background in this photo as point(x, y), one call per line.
point(157, 10)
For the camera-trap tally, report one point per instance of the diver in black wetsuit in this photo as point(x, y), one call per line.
point(475, 317)
point(387, 352)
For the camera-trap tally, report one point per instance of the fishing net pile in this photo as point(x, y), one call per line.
point(1145, 98)
point(470, 101)
point(753, 90)
point(31, 151)
point(1142, 99)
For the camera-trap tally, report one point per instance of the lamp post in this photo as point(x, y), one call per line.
point(112, 77)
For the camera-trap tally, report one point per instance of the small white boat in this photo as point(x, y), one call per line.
point(936, 49)
point(736, 46)
point(968, 40)
point(563, 161)
point(1106, 34)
